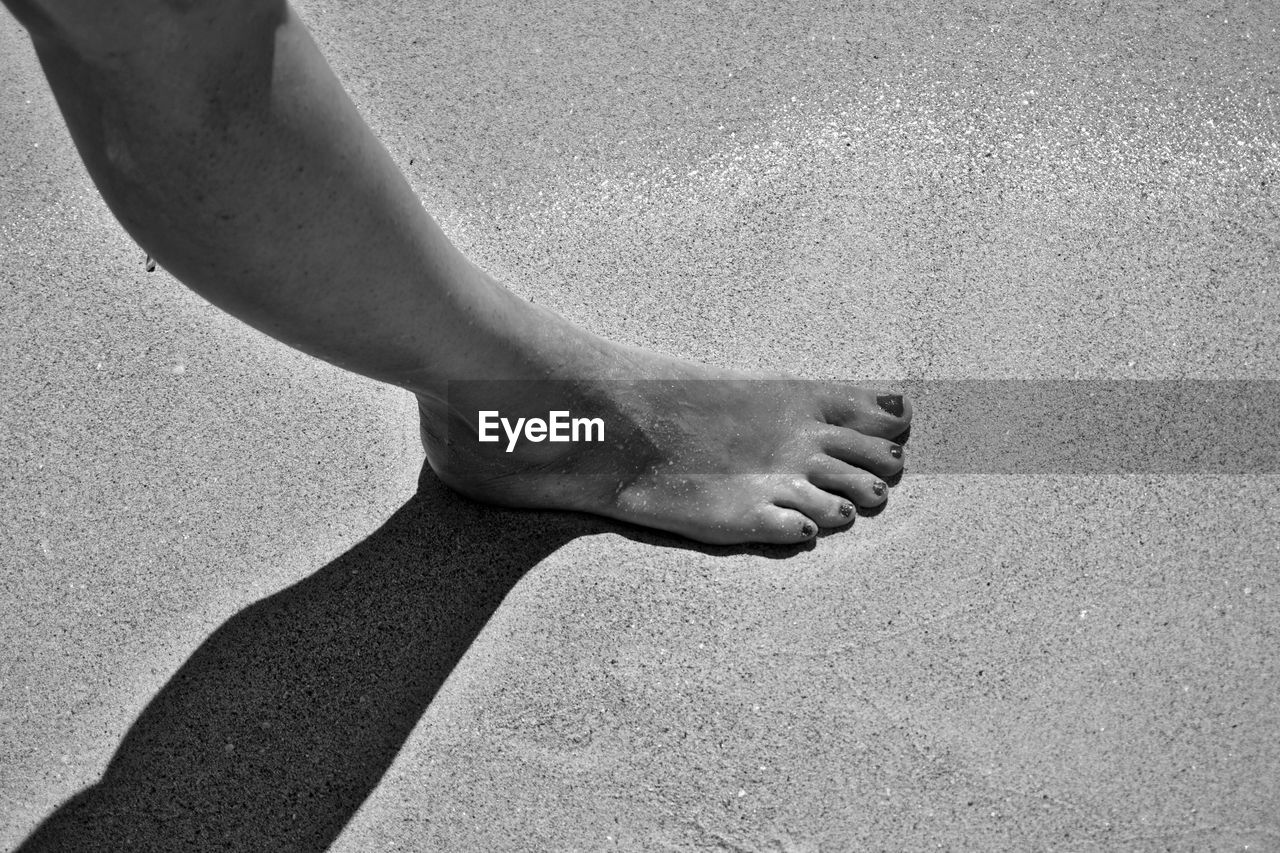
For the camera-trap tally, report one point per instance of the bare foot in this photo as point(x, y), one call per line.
point(715, 455)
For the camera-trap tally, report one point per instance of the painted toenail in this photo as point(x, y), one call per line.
point(891, 403)
point(846, 509)
point(896, 451)
point(879, 489)
point(806, 529)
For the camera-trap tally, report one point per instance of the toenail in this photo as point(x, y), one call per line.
point(891, 403)
point(846, 509)
point(806, 529)
point(896, 451)
point(879, 488)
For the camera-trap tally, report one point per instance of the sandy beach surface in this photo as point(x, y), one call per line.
point(231, 619)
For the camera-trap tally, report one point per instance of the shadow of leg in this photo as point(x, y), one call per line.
point(279, 726)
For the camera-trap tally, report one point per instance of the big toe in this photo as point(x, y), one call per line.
point(872, 412)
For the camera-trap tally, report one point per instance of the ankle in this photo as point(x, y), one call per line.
point(505, 337)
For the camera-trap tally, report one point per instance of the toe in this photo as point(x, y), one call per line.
point(878, 455)
point(781, 525)
point(826, 509)
point(862, 487)
point(872, 413)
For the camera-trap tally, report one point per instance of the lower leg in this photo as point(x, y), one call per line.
point(233, 156)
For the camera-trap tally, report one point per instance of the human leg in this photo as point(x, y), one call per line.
point(227, 148)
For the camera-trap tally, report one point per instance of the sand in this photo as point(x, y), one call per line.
point(230, 624)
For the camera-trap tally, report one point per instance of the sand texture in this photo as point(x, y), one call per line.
point(233, 621)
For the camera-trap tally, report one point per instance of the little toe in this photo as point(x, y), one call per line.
point(878, 455)
point(862, 487)
point(781, 525)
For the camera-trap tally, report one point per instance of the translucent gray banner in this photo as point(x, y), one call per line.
point(959, 427)
point(1095, 426)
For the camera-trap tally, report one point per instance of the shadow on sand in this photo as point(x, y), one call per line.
point(284, 720)
point(279, 726)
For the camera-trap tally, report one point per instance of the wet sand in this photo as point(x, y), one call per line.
point(233, 620)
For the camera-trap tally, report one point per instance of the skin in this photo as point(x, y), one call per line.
point(224, 144)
